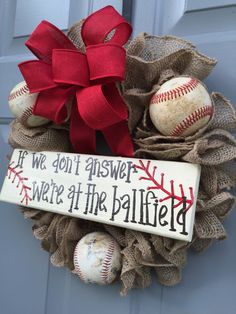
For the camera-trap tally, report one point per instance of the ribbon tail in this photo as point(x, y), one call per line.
point(119, 140)
point(82, 137)
point(51, 104)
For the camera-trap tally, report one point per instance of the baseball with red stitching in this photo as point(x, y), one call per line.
point(21, 103)
point(97, 258)
point(181, 107)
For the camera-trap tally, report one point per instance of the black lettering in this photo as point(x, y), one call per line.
point(162, 213)
point(38, 161)
point(37, 191)
point(116, 205)
point(134, 206)
point(44, 191)
point(89, 168)
point(126, 205)
point(105, 172)
point(145, 208)
point(22, 154)
point(172, 219)
point(74, 196)
point(181, 217)
point(77, 162)
point(60, 190)
point(57, 190)
point(131, 169)
point(141, 222)
point(122, 170)
point(55, 163)
point(115, 169)
point(95, 201)
point(62, 164)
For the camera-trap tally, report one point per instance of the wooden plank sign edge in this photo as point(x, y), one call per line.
point(152, 196)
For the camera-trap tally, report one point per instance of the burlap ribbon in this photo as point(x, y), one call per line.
point(40, 138)
point(150, 62)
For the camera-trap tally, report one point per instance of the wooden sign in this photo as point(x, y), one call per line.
point(152, 196)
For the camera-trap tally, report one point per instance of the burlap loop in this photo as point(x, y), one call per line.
point(150, 62)
point(169, 276)
point(169, 250)
point(220, 204)
point(149, 58)
point(74, 34)
point(224, 115)
point(214, 148)
point(172, 255)
point(133, 273)
point(214, 180)
point(201, 245)
point(39, 138)
point(141, 252)
point(208, 226)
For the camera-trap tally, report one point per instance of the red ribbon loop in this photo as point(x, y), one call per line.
point(62, 71)
point(100, 24)
point(45, 38)
point(53, 101)
point(106, 63)
point(36, 82)
point(103, 114)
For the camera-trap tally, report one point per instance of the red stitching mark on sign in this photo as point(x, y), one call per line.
point(191, 119)
point(175, 92)
point(19, 92)
point(76, 264)
point(12, 170)
point(160, 186)
point(106, 266)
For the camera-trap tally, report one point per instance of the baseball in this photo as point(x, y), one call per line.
point(21, 103)
point(97, 258)
point(181, 107)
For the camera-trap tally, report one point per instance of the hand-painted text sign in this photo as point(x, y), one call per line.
point(152, 196)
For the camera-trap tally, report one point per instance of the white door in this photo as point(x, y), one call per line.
point(28, 282)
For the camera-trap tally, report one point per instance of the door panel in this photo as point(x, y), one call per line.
point(38, 10)
point(23, 279)
point(209, 280)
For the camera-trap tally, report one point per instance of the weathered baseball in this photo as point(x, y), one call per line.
point(97, 258)
point(181, 106)
point(21, 103)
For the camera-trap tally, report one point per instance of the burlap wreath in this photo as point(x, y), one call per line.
point(150, 62)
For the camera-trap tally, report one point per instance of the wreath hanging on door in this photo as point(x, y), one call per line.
point(151, 70)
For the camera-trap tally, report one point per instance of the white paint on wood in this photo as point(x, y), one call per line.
point(152, 196)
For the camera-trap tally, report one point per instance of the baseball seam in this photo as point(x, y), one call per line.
point(191, 119)
point(19, 92)
point(28, 112)
point(76, 264)
point(106, 266)
point(175, 92)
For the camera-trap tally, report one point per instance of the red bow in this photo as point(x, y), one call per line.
point(62, 72)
